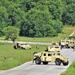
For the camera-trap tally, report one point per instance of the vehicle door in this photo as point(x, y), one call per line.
point(46, 56)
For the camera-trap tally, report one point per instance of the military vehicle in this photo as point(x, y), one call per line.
point(64, 43)
point(71, 44)
point(50, 55)
point(67, 43)
point(22, 45)
point(53, 48)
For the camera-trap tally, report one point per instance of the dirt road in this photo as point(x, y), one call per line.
point(32, 69)
point(40, 43)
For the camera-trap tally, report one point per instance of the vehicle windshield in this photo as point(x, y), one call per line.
point(23, 44)
point(57, 47)
point(58, 53)
point(67, 41)
point(63, 41)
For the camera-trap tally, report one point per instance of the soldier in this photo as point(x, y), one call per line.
point(15, 45)
point(37, 46)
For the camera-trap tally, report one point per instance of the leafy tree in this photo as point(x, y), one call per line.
point(55, 7)
point(3, 18)
point(37, 23)
point(40, 17)
point(11, 32)
point(68, 16)
point(57, 25)
point(34, 18)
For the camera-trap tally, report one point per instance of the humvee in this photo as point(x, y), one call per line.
point(22, 45)
point(51, 55)
point(64, 43)
point(67, 43)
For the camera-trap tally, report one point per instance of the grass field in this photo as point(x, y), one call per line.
point(70, 70)
point(66, 31)
point(9, 57)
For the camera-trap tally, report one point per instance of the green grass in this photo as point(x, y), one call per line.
point(70, 70)
point(10, 57)
point(66, 31)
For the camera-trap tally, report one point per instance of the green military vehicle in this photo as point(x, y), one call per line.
point(52, 54)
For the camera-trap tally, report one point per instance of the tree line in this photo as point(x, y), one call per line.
point(37, 18)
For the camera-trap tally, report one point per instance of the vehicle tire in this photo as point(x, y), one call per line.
point(58, 62)
point(61, 46)
point(59, 43)
point(45, 63)
point(67, 46)
point(14, 47)
point(37, 61)
point(74, 49)
point(65, 63)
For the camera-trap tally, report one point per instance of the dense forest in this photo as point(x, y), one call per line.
point(37, 18)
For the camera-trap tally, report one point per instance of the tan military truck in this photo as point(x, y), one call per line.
point(67, 43)
point(71, 44)
point(64, 43)
point(22, 45)
point(51, 55)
